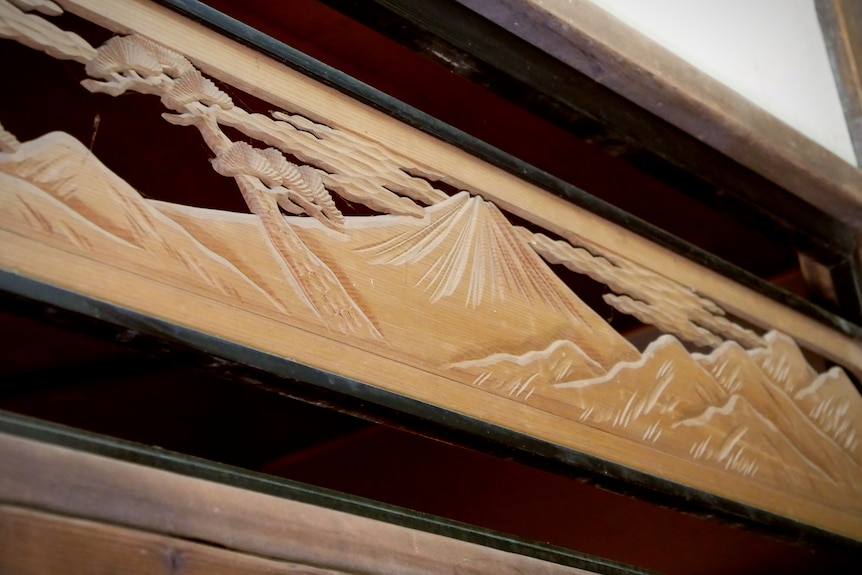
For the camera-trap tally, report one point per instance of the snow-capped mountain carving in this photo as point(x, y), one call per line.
point(650, 389)
point(736, 410)
point(830, 401)
point(55, 189)
point(782, 361)
point(58, 192)
point(740, 374)
point(517, 375)
point(738, 438)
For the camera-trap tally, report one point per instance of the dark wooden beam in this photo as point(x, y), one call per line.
point(97, 478)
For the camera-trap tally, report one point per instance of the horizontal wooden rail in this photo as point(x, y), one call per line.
point(163, 506)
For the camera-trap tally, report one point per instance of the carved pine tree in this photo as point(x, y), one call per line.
point(265, 178)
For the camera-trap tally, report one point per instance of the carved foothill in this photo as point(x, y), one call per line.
point(430, 267)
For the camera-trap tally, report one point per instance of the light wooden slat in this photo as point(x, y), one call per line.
point(273, 336)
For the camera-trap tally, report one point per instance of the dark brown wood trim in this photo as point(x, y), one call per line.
point(841, 22)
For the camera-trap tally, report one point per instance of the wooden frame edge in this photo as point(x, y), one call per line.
point(841, 22)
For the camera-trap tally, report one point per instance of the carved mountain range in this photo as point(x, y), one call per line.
point(738, 438)
point(724, 409)
point(739, 374)
point(56, 191)
point(516, 375)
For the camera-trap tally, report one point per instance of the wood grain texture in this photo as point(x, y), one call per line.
point(595, 43)
point(35, 543)
point(34, 31)
point(95, 488)
point(409, 373)
point(363, 295)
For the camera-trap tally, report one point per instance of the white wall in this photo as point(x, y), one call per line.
point(770, 51)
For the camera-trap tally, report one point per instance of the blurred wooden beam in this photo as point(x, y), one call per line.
point(841, 21)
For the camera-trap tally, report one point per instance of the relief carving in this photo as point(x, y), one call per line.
point(752, 407)
point(35, 32)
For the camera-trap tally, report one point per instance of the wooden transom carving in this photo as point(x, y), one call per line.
point(431, 294)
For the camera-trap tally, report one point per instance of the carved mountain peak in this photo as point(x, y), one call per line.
point(84, 205)
point(519, 375)
point(824, 383)
point(48, 162)
point(783, 362)
point(737, 408)
point(661, 363)
point(561, 350)
point(469, 249)
point(737, 436)
point(832, 401)
point(726, 363)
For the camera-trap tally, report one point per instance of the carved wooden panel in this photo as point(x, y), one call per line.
point(425, 291)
